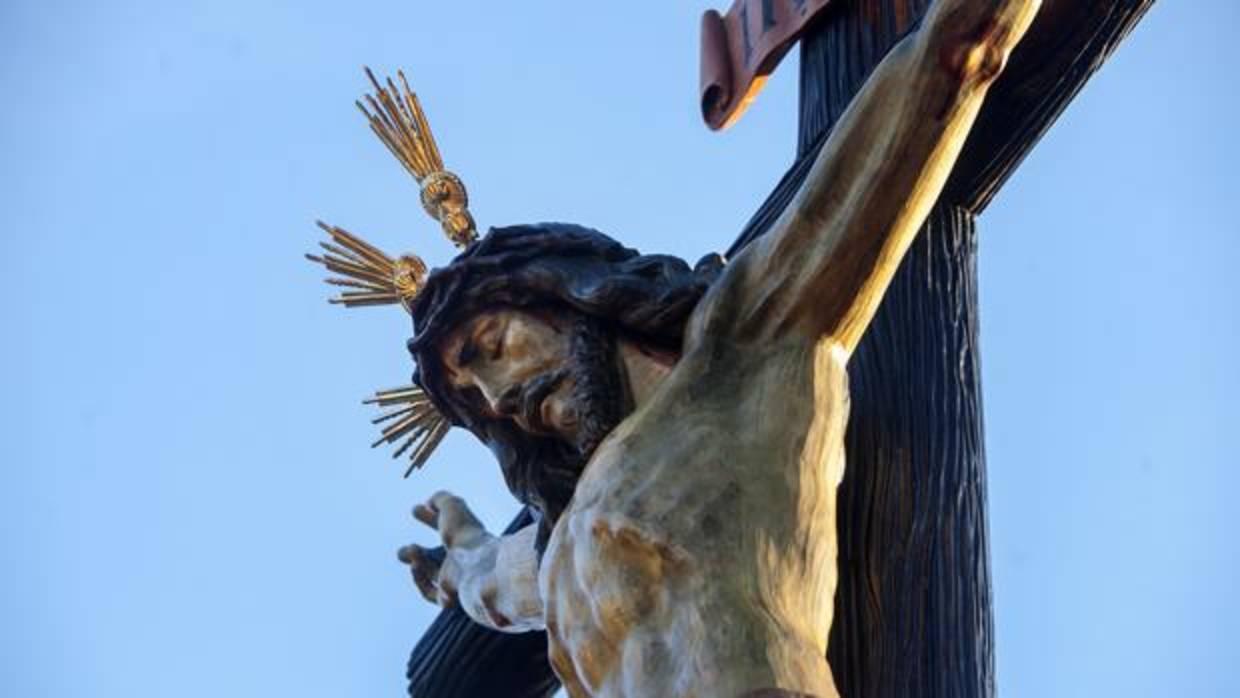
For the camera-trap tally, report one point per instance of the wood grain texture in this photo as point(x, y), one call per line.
point(913, 607)
point(913, 611)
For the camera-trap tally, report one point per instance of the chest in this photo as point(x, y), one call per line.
point(735, 452)
point(730, 467)
point(728, 430)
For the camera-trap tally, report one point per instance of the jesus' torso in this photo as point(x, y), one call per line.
point(697, 557)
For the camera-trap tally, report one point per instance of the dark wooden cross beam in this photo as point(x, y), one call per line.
point(913, 609)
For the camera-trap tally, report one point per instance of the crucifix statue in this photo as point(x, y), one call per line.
point(678, 433)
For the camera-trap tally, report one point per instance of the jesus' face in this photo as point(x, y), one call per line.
point(552, 374)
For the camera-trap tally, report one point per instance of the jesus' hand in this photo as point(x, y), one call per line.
point(494, 579)
point(439, 577)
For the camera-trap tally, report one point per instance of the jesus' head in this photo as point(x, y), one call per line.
point(529, 339)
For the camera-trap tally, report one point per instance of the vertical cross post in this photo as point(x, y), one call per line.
point(913, 610)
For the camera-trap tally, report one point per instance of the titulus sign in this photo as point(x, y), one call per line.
point(743, 47)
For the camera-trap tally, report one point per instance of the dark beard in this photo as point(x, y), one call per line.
point(600, 401)
point(542, 469)
point(597, 391)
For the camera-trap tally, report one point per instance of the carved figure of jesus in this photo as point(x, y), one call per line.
point(680, 431)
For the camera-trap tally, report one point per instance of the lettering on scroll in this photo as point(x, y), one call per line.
point(743, 47)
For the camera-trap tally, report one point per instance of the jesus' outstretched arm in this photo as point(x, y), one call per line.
point(825, 265)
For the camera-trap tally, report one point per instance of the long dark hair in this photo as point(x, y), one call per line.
point(647, 298)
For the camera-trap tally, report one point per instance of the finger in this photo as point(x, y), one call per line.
point(423, 567)
point(408, 554)
point(429, 558)
point(426, 586)
point(457, 524)
point(436, 500)
point(427, 515)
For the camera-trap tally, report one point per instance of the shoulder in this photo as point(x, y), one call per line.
point(745, 304)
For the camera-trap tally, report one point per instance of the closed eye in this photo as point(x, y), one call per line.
point(491, 341)
point(468, 352)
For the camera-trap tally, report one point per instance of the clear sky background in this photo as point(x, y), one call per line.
point(188, 506)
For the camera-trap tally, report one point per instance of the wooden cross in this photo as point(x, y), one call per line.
point(913, 609)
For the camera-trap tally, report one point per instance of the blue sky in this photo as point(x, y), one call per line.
point(188, 505)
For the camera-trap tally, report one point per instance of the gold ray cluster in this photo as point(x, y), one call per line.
point(377, 278)
point(371, 277)
point(414, 421)
point(397, 118)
